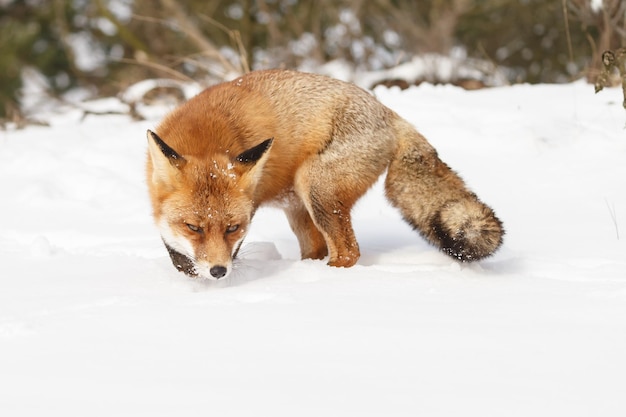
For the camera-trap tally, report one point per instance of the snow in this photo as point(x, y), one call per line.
point(95, 320)
point(436, 68)
point(597, 5)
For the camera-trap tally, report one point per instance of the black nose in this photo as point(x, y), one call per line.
point(218, 271)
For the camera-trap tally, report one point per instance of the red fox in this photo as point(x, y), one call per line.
point(311, 145)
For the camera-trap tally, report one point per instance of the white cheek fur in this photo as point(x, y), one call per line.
point(176, 242)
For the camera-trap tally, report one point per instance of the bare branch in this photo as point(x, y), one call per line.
point(188, 26)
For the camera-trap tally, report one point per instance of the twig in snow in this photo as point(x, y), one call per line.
point(613, 216)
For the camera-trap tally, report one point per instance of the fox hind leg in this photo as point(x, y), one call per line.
point(329, 186)
point(329, 210)
point(333, 218)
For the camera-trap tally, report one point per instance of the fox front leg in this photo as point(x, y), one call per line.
point(312, 241)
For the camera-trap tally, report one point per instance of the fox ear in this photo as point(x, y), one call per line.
point(172, 156)
point(252, 155)
point(164, 159)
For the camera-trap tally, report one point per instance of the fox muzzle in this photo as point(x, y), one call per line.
point(185, 264)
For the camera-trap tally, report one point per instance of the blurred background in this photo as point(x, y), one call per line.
point(101, 47)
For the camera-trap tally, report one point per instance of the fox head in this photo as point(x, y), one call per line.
point(203, 206)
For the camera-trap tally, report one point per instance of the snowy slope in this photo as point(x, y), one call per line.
point(95, 321)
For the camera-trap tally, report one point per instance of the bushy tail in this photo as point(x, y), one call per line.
point(435, 201)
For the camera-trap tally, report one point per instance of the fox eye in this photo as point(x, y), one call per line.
point(232, 228)
point(194, 228)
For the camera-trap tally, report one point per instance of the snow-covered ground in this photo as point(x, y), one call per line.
point(95, 320)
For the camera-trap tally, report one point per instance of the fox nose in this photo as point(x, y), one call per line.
point(218, 271)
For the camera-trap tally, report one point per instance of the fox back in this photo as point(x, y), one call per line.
point(311, 145)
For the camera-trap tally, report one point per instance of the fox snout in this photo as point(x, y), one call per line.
point(187, 265)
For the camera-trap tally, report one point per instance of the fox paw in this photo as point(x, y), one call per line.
point(344, 261)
